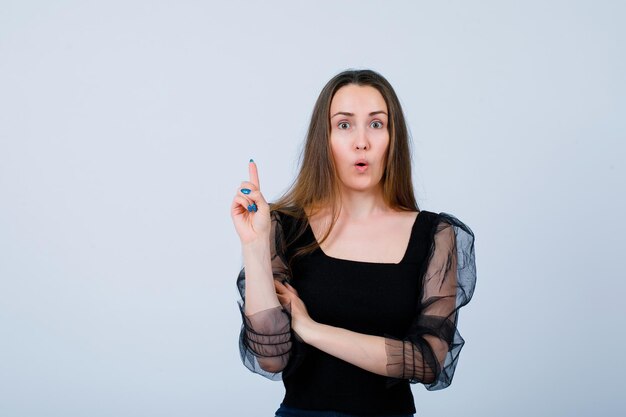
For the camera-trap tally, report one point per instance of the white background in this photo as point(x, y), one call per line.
point(125, 130)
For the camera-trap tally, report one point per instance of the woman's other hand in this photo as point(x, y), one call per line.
point(249, 210)
point(301, 322)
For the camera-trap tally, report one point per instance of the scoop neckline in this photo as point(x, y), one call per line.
point(354, 261)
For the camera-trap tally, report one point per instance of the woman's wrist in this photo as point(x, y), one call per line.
point(307, 329)
point(256, 251)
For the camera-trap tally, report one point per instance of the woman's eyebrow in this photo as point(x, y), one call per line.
point(345, 113)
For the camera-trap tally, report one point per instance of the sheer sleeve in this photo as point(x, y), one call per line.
point(265, 337)
point(430, 351)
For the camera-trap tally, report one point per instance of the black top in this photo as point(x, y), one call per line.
point(409, 304)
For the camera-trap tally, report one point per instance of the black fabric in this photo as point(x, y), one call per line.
point(413, 304)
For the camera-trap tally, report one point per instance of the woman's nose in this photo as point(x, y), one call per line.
point(361, 141)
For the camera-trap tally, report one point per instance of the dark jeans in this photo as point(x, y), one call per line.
point(284, 411)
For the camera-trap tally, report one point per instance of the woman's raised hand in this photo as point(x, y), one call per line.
point(250, 211)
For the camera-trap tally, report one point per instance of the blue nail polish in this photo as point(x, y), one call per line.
point(251, 160)
point(245, 190)
point(253, 207)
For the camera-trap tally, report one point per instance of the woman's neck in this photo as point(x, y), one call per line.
point(362, 205)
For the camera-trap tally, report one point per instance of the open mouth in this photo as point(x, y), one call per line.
point(361, 166)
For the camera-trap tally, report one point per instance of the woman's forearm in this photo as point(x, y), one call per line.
point(269, 336)
point(260, 290)
point(362, 350)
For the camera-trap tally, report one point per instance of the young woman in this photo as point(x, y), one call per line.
point(349, 291)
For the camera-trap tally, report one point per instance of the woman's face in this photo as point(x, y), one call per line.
point(359, 137)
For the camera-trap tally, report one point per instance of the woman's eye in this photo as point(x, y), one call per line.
point(343, 125)
point(376, 124)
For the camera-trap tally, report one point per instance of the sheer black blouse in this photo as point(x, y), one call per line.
point(413, 304)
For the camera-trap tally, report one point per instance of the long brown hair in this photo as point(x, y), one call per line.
point(317, 184)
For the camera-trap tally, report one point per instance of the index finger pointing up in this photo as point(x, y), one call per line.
point(254, 173)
